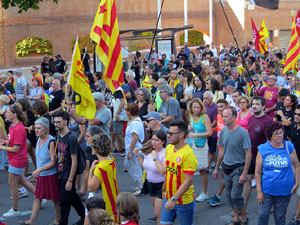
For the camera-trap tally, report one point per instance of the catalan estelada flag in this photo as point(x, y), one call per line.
point(260, 44)
point(294, 52)
point(105, 32)
point(85, 103)
point(106, 172)
point(263, 32)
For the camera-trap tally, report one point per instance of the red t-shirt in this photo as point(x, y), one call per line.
point(131, 222)
point(17, 136)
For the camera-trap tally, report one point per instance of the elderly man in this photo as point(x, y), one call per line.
point(102, 117)
point(169, 109)
point(4, 81)
point(240, 83)
point(212, 112)
point(22, 86)
point(153, 120)
point(56, 97)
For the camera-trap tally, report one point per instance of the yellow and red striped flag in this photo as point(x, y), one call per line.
point(105, 32)
point(294, 51)
point(263, 32)
point(85, 106)
point(260, 44)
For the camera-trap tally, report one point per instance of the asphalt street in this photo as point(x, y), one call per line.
point(204, 214)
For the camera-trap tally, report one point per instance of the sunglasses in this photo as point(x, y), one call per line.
point(297, 114)
point(172, 133)
point(149, 120)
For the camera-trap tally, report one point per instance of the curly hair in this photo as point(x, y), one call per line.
point(197, 100)
point(101, 144)
point(100, 217)
point(40, 107)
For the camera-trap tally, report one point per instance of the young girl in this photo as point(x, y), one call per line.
point(128, 208)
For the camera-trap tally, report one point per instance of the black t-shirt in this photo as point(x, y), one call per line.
point(10, 87)
point(67, 145)
point(294, 135)
point(44, 67)
point(52, 130)
point(55, 100)
point(289, 115)
point(31, 135)
point(60, 65)
point(240, 83)
point(85, 62)
point(143, 111)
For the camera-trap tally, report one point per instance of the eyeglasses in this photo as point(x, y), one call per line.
point(148, 121)
point(271, 78)
point(279, 133)
point(152, 58)
point(58, 122)
point(172, 133)
point(242, 102)
point(140, 94)
point(297, 114)
point(255, 80)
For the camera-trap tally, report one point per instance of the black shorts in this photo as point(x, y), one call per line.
point(155, 189)
point(252, 167)
point(212, 144)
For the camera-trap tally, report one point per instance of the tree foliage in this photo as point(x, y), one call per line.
point(136, 45)
point(23, 5)
point(84, 41)
point(195, 38)
point(33, 45)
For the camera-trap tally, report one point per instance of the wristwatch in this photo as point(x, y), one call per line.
point(174, 199)
point(155, 159)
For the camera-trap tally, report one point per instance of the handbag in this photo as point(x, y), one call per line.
point(228, 169)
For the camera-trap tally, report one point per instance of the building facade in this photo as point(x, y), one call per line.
point(61, 23)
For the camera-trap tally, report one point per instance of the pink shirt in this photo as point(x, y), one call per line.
point(271, 97)
point(17, 136)
point(153, 175)
point(244, 122)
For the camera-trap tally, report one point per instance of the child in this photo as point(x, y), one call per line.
point(128, 208)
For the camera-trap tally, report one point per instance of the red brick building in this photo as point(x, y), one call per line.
point(61, 23)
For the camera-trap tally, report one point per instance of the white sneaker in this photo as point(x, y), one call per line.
point(202, 197)
point(44, 201)
point(137, 192)
point(253, 183)
point(21, 194)
point(11, 213)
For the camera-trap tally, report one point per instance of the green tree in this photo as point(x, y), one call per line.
point(195, 38)
point(23, 5)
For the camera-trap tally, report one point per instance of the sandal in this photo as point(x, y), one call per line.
point(245, 222)
point(234, 223)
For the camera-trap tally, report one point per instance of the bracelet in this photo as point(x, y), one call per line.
point(70, 181)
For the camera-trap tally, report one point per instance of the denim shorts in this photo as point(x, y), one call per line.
point(185, 214)
point(14, 170)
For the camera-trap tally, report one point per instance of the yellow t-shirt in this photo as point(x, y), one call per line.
point(106, 172)
point(177, 81)
point(146, 83)
point(179, 163)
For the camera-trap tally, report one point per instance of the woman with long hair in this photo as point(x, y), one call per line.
point(15, 147)
point(200, 130)
point(31, 137)
point(153, 161)
point(199, 87)
point(213, 85)
point(143, 100)
point(128, 208)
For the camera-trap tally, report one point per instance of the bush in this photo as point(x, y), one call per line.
point(195, 38)
point(33, 45)
point(84, 41)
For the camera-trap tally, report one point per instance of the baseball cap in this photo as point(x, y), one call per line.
point(57, 75)
point(155, 115)
point(229, 82)
point(58, 55)
point(19, 71)
point(98, 96)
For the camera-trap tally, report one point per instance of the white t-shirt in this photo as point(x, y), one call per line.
point(134, 126)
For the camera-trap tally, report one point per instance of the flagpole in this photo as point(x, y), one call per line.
point(70, 72)
point(242, 56)
point(155, 31)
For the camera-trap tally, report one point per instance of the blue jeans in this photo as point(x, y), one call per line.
point(280, 206)
point(185, 214)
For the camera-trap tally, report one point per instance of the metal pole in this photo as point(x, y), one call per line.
point(186, 39)
point(210, 21)
point(158, 15)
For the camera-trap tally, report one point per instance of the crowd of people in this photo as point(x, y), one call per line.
point(171, 118)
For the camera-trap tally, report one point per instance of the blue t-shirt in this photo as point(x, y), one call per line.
point(277, 173)
point(199, 127)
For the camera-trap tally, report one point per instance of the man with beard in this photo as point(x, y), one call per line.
point(256, 130)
